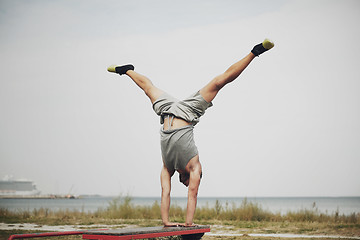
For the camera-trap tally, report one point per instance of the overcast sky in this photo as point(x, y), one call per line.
point(289, 126)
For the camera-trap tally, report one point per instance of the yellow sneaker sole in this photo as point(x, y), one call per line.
point(268, 44)
point(112, 68)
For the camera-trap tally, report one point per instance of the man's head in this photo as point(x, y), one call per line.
point(184, 178)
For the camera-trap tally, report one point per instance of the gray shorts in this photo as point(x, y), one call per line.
point(189, 109)
point(178, 145)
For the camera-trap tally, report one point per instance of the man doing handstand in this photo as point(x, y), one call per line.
point(178, 118)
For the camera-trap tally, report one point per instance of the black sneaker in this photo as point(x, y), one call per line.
point(120, 69)
point(262, 47)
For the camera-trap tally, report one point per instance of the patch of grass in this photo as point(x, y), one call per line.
point(306, 230)
point(247, 224)
point(347, 226)
point(269, 231)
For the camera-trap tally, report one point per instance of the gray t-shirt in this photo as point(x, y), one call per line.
point(178, 145)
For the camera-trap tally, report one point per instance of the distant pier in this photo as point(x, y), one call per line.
point(47, 196)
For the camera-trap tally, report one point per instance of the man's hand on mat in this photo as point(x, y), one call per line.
point(189, 225)
point(171, 224)
point(175, 224)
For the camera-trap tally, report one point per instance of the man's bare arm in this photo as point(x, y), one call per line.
point(165, 178)
point(195, 176)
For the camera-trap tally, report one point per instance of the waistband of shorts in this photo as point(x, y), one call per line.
point(176, 129)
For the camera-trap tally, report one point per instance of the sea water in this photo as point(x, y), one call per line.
point(328, 205)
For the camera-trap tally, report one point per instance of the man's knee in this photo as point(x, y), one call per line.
point(217, 83)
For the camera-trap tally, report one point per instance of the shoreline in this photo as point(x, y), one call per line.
point(281, 205)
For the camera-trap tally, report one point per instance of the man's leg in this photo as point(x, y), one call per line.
point(143, 82)
point(146, 85)
point(211, 89)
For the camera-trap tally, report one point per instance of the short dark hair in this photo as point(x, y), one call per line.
point(184, 176)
